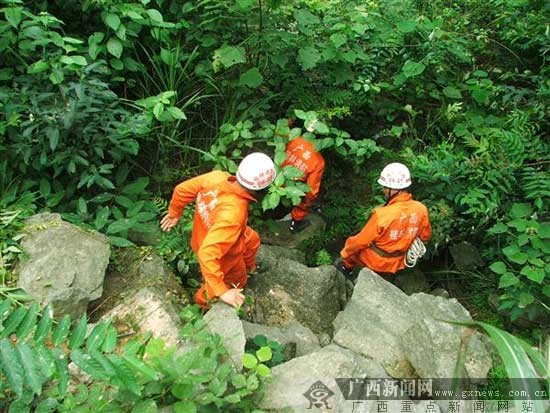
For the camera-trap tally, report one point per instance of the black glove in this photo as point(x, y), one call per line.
point(339, 264)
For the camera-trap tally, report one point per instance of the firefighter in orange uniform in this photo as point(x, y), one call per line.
point(394, 235)
point(225, 246)
point(301, 154)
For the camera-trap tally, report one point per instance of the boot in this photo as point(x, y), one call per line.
point(297, 226)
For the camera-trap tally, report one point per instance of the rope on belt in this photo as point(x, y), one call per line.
point(415, 251)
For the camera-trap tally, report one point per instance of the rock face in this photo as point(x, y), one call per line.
point(147, 310)
point(407, 334)
point(65, 264)
point(294, 334)
point(224, 320)
point(285, 291)
point(277, 233)
point(141, 294)
point(465, 256)
point(285, 392)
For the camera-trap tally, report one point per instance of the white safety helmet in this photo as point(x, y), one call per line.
point(256, 171)
point(395, 176)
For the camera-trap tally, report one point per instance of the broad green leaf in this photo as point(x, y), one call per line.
point(57, 76)
point(53, 136)
point(29, 322)
point(249, 361)
point(120, 242)
point(13, 15)
point(104, 362)
point(508, 279)
point(308, 57)
point(338, 39)
point(119, 226)
point(544, 230)
point(232, 398)
point(79, 333)
point(480, 95)
point(112, 20)
point(136, 187)
point(498, 267)
point(109, 344)
point(521, 210)
point(96, 337)
point(228, 56)
point(62, 330)
point(263, 370)
point(412, 68)
point(44, 326)
point(516, 362)
point(264, 354)
point(31, 368)
point(5, 311)
point(546, 290)
point(45, 360)
point(407, 26)
point(155, 16)
point(239, 381)
point(185, 407)
point(89, 365)
point(246, 5)
point(125, 374)
point(141, 367)
point(38, 67)
point(13, 321)
point(252, 383)
point(252, 78)
point(452, 92)
point(114, 47)
point(147, 406)
point(11, 366)
point(525, 299)
point(533, 273)
point(62, 367)
point(101, 218)
point(45, 187)
point(182, 391)
point(175, 113)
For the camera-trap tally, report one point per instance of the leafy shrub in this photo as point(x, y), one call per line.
point(524, 267)
point(143, 375)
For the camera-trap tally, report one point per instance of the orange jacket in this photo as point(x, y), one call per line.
point(301, 154)
point(392, 228)
point(219, 225)
point(251, 243)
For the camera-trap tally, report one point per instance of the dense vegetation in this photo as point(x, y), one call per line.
point(106, 104)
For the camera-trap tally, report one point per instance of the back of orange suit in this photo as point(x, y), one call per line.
point(391, 229)
point(301, 154)
point(220, 237)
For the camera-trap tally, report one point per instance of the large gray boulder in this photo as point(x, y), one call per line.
point(285, 291)
point(141, 295)
point(65, 265)
point(294, 334)
point(147, 310)
point(223, 320)
point(409, 335)
point(290, 380)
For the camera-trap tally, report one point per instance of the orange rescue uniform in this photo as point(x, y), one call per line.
point(224, 245)
point(301, 154)
point(391, 229)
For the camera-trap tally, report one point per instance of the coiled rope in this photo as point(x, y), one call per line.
point(415, 251)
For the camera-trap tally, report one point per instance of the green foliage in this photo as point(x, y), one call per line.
point(520, 361)
point(323, 257)
point(523, 267)
point(143, 375)
point(235, 140)
point(269, 352)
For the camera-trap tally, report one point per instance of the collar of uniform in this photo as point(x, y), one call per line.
point(237, 189)
point(403, 196)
